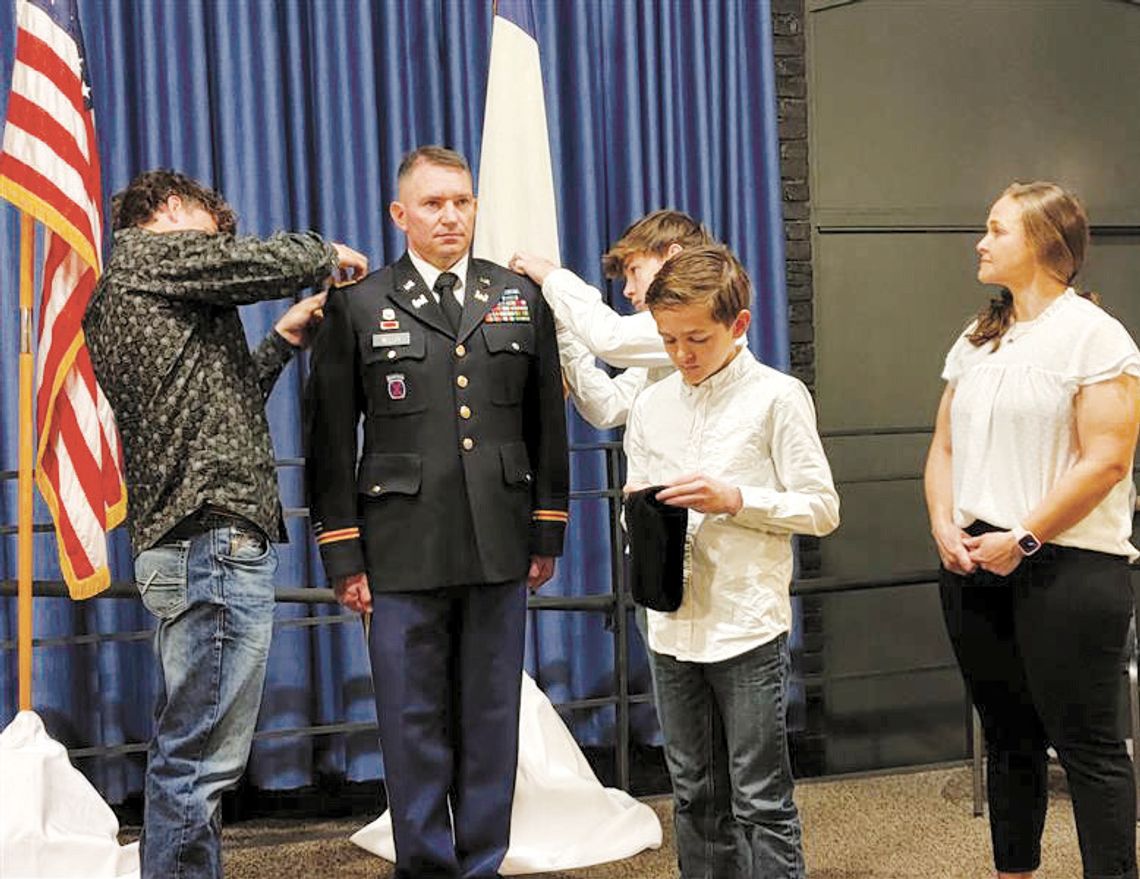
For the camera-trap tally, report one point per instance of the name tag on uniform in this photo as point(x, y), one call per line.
point(390, 340)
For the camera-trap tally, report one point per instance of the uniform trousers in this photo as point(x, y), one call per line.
point(447, 671)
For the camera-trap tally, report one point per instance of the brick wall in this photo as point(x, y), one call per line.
point(806, 740)
point(791, 97)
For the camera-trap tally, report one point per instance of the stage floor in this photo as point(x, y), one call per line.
point(887, 827)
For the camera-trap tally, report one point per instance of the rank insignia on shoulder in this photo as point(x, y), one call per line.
point(397, 386)
point(420, 301)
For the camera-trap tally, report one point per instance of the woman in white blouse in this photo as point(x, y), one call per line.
point(1028, 486)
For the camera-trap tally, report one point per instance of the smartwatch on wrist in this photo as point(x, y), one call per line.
point(1027, 541)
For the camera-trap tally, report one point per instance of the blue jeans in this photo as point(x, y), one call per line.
point(727, 750)
point(213, 597)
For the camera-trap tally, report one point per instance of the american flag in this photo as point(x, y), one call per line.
point(49, 168)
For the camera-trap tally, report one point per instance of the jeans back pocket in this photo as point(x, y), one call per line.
point(160, 576)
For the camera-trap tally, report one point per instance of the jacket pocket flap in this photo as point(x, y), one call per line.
point(516, 464)
point(514, 338)
point(382, 474)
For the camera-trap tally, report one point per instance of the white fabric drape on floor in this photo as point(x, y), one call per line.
point(562, 818)
point(53, 823)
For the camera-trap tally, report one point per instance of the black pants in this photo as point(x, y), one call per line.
point(1043, 652)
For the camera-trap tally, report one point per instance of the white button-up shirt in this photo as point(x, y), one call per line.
point(618, 339)
point(431, 274)
point(753, 427)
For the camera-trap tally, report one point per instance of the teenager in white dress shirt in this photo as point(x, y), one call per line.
point(1028, 486)
point(589, 329)
point(736, 443)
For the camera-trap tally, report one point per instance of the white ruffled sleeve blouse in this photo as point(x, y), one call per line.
point(1012, 421)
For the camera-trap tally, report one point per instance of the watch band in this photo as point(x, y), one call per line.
point(1027, 541)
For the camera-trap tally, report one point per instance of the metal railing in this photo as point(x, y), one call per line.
point(616, 605)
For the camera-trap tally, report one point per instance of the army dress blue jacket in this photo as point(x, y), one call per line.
point(464, 473)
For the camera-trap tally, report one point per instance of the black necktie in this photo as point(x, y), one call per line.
point(444, 289)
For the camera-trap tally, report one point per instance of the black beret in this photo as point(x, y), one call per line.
point(656, 548)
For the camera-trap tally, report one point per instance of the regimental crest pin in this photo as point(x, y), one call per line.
point(388, 314)
point(397, 386)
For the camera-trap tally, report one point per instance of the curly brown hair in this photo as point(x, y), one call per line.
point(146, 193)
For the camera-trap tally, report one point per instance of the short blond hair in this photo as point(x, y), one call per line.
point(654, 233)
point(709, 275)
point(431, 154)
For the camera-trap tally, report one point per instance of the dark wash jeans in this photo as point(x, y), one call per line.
point(1042, 652)
point(726, 744)
point(213, 597)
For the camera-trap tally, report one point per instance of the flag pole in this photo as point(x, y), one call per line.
point(24, 488)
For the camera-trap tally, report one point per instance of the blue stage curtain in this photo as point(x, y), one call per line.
point(299, 111)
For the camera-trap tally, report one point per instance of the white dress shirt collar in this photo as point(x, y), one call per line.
point(431, 274)
point(723, 377)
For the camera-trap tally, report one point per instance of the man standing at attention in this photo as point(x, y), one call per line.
point(458, 502)
point(189, 398)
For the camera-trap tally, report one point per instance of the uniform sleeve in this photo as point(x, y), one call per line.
point(807, 502)
point(602, 399)
point(544, 430)
point(234, 269)
point(333, 405)
point(619, 340)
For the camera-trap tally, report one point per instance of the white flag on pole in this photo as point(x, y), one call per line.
point(516, 183)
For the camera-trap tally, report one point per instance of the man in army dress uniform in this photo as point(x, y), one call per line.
point(458, 500)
